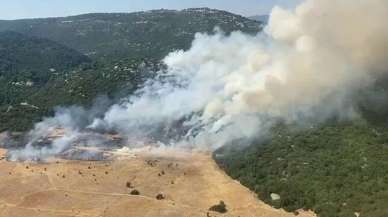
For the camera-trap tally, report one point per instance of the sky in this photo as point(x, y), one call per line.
point(18, 9)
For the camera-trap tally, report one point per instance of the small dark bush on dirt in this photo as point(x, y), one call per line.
point(220, 208)
point(135, 192)
point(160, 197)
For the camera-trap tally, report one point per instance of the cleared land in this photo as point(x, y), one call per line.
point(189, 183)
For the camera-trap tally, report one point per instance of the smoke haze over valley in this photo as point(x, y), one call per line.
point(306, 67)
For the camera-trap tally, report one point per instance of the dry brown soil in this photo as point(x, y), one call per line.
point(191, 183)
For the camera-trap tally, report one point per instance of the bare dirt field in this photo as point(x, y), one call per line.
point(188, 185)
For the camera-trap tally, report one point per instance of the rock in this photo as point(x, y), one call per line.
point(275, 197)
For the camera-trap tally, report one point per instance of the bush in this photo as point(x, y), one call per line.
point(135, 192)
point(220, 208)
point(160, 197)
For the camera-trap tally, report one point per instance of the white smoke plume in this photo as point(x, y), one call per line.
point(305, 67)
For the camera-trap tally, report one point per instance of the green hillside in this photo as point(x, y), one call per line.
point(72, 60)
point(76, 86)
point(336, 169)
point(37, 75)
point(22, 54)
point(122, 35)
point(26, 66)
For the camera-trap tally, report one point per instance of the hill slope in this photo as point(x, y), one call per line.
point(37, 74)
point(260, 18)
point(27, 63)
point(140, 34)
point(20, 53)
point(125, 49)
point(336, 169)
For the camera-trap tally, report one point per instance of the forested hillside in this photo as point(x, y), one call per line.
point(141, 34)
point(337, 169)
point(27, 64)
point(40, 57)
point(71, 60)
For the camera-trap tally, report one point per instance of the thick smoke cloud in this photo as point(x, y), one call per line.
point(304, 68)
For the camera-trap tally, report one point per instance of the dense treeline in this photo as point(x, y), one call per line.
point(337, 169)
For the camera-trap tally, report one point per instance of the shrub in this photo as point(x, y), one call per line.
point(135, 192)
point(220, 208)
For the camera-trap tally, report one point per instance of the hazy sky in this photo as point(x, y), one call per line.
point(16, 9)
